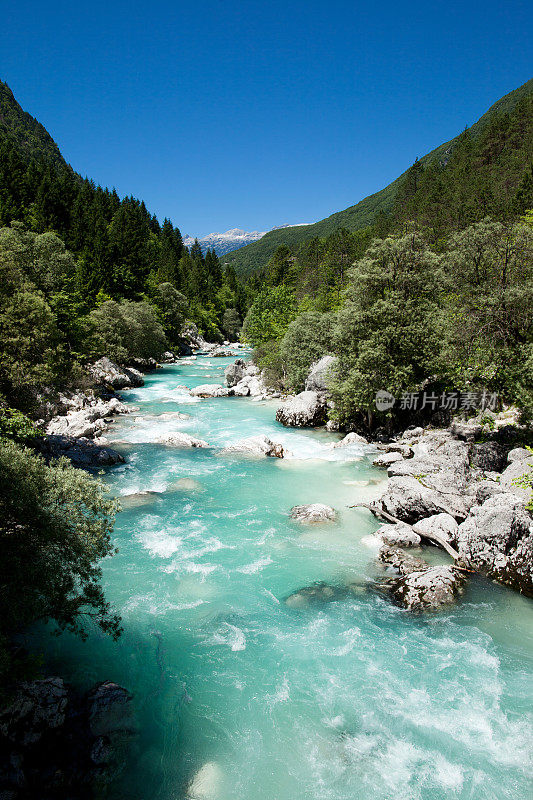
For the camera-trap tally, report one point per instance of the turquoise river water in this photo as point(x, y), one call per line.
point(242, 697)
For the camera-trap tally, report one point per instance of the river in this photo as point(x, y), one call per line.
point(339, 700)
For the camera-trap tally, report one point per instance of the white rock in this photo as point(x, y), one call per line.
point(349, 439)
point(306, 409)
point(314, 512)
point(257, 446)
point(386, 459)
point(209, 390)
point(444, 525)
point(398, 535)
point(179, 439)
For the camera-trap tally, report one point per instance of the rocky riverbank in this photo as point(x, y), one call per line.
point(56, 743)
point(465, 489)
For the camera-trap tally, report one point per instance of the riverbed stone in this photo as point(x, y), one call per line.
point(443, 525)
point(313, 513)
point(497, 539)
point(307, 409)
point(104, 371)
point(180, 439)
point(37, 708)
point(209, 390)
point(398, 535)
point(259, 445)
point(428, 590)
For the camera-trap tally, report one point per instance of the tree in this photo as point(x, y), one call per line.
point(387, 335)
point(269, 316)
point(125, 331)
point(231, 323)
point(55, 526)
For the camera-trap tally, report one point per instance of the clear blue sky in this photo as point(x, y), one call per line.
point(254, 114)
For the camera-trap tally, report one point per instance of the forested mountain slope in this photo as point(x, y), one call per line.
point(256, 255)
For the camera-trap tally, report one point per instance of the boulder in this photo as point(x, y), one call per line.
point(82, 452)
point(318, 592)
point(442, 525)
point(319, 375)
point(179, 439)
point(234, 373)
point(350, 439)
point(398, 535)
point(386, 459)
point(410, 501)
point(427, 590)
point(518, 454)
point(110, 710)
point(488, 456)
point(256, 446)
point(497, 539)
point(37, 708)
point(210, 390)
point(314, 512)
point(486, 489)
point(514, 477)
point(306, 409)
point(404, 563)
point(87, 422)
point(466, 430)
point(104, 371)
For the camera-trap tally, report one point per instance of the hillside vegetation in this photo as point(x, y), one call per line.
point(368, 211)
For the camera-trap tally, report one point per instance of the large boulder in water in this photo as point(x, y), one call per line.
point(320, 374)
point(410, 500)
point(398, 535)
point(234, 373)
point(314, 512)
point(106, 372)
point(497, 539)
point(209, 390)
point(256, 446)
point(427, 590)
point(305, 410)
point(179, 439)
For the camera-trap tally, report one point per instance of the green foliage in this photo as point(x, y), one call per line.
point(17, 426)
point(55, 525)
point(231, 323)
point(387, 333)
point(269, 316)
point(125, 331)
point(307, 339)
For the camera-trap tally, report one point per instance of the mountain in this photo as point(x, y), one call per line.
point(256, 255)
point(31, 137)
point(229, 241)
point(223, 243)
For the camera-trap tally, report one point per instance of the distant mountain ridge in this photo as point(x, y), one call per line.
point(255, 256)
point(229, 241)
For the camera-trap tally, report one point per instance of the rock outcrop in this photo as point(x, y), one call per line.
point(398, 535)
point(305, 410)
point(82, 452)
point(87, 422)
point(428, 590)
point(320, 374)
point(497, 540)
point(106, 372)
point(56, 744)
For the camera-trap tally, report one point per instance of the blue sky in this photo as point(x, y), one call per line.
point(255, 114)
